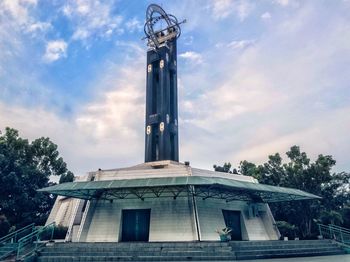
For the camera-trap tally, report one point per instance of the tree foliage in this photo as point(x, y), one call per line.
point(26, 167)
point(313, 177)
point(225, 168)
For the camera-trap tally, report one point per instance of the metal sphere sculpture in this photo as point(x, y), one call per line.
point(169, 27)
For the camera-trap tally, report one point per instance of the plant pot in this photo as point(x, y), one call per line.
point(225, 238)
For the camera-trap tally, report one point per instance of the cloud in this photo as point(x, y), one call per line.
point(275, 85)
point(92, 19)
point(222, 9)
point(288, 3)
point(282, 2)
point(266, 16)
point(17, 9)
point(192, 57)
point(55, 50)
point(283, 90)
point(133, 25)
point(241, 44)
point(107, 132)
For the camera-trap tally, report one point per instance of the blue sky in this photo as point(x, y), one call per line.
point(255, 77)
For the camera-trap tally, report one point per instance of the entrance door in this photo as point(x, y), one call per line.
point(135, 224)
point(233, 221)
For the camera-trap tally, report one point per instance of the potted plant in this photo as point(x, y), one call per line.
point(225, 234)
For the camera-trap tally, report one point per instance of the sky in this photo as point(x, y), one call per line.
point(254, 78)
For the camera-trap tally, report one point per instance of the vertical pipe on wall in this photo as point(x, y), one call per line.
point(195, 211)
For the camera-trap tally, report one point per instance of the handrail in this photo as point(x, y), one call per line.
point(13, 236)
point(35, 240)
point(336, 233)
point(341, 228)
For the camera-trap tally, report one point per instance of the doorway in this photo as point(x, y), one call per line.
point(135, 224)
point(233, 221)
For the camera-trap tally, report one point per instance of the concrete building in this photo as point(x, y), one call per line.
point(166, 201)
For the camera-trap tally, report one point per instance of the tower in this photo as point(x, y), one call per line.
point(161, 123)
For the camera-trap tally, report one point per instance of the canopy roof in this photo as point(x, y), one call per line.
point(204, 187)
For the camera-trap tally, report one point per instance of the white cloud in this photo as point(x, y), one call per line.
point(240, 44)
point(17, 9)
point(266, 16)
point(38, 27)
point(133, 25)
point(289, 87)
point(192, 57)
point(288, 3)
point(224, 8)
point(92, 19)
point(105, 133)
point(283, 2)
point(55, 50)
point(283, 90)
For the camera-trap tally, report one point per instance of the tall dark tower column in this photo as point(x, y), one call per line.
point(161, 131)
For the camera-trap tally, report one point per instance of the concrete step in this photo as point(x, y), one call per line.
point(149, 249)
point(291, 250)
point(288, 254)
point(185, 251)
point(137, 253)
point(147, 244)
point(134, 258)
point(279, 242)
point(270, 247)
point(279, 249)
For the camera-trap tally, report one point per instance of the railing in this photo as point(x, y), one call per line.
point(9, 241)
point(28, 244)
point(14, 236)
point(337, 233)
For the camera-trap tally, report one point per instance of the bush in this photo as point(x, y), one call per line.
point(59, 233)
point(286, 229)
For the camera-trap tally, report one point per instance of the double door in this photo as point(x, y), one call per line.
point(135, 224)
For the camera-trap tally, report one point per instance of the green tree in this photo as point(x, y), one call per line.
point(226, 168)
point(25, 167)
point(68, 177)
point(314, 177)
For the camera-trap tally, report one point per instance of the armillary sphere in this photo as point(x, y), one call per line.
point(160, 26)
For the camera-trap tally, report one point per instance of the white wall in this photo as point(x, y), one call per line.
point(211, 217)
point(171, 220)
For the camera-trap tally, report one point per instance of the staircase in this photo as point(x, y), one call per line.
point(127, 251)
point(186, 251)
point(336, 233)
point(279, 249)
point(7, 249)
point(9, 243)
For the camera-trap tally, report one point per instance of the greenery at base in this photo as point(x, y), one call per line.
point(286, 229)
point(313, 177)
point(25, 167)
point(59, 232)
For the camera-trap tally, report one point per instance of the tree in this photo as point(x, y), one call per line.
point(68, 177)
point(25, 167)
point(226, 168)
point(4, 225)
point(313, 177)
